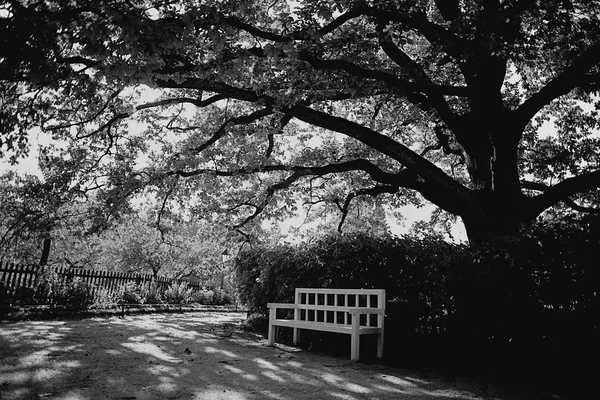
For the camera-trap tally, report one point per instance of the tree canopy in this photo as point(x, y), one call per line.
point(487, 109)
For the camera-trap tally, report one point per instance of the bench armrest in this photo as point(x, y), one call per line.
point(282, 305)
point(363, 310)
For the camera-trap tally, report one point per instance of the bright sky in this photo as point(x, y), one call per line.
point(28, 165)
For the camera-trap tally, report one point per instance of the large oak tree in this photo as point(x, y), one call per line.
point(485, 108)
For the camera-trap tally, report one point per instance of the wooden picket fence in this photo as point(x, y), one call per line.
point(16, 276)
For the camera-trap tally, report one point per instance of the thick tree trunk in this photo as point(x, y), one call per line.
point(501, 218)
point(489, 232)
point(489, 136)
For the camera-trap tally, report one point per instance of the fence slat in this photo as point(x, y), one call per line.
point(32, 275)
point(13, 275)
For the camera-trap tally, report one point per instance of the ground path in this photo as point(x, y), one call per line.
point(192, 356)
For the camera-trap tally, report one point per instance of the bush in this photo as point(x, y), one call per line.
point(222, 298)
point(257, 323)
point(5, 294)
point(211, 297)
point(533, 305)
point(150, 293)
point(130, 294)
point(23, 296)
point(178, 293)
point(51, 288)
point(103, 298)
point(411, 270)
point(75, 293)
point(48, 285)
point(203, 297)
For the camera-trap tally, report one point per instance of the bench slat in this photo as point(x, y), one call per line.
point(340, 291)
point(351, 310)
point(363, 310)
point(327, 327)
point(283, 305)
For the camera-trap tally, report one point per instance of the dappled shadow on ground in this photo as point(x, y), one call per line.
point(194, 356)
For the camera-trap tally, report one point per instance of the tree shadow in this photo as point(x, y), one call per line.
point(195, 356)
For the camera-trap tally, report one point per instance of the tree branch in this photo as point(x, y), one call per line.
point(569, 79)
point(577, 207)
point(106, 126)
point(162, 208)
point(561, 191)
point(299, 35)
point(79, 60)
point(270, 192)
point(373, 191)
point(241, 120)
point(271, 138)
point(93, 117)
point(450, 43)
point(455, 197)
point(403, 178)
point(178, 100)
point(410, 89)
point(418, 74)
point(447, 41)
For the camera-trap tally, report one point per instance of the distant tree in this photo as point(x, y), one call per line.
point(64, 195)
point(29, 210)
point(256, 102)
point(136, 244)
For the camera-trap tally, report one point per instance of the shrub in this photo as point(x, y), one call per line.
point(222, 298)
point(5, 294)
point(74, 293)
point(150, 293)
point(103, 298)
point(23, 296)
point(51, 288)
point(203, 297)
point(533, 305)
point(211, 297)
point(178, 293)
point(257, 323)
point(130, 294)
point(411, 270)
point(49, 285)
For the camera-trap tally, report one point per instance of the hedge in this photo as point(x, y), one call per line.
point(534, 305)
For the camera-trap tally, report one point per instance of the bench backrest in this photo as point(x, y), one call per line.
point(333, 305)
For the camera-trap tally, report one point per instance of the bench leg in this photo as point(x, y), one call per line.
point(355, 339)
point(381, 324)
point(272, 328)
point(354, 347)
point(272, 334)
point(296, 336)
point(380, 345)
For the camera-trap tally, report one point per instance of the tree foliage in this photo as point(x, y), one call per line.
point(240, 106)
point(29, 210)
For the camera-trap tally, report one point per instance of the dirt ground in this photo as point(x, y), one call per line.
point(198, 355)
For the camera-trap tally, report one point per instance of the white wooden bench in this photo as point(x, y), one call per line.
point(354, 312)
